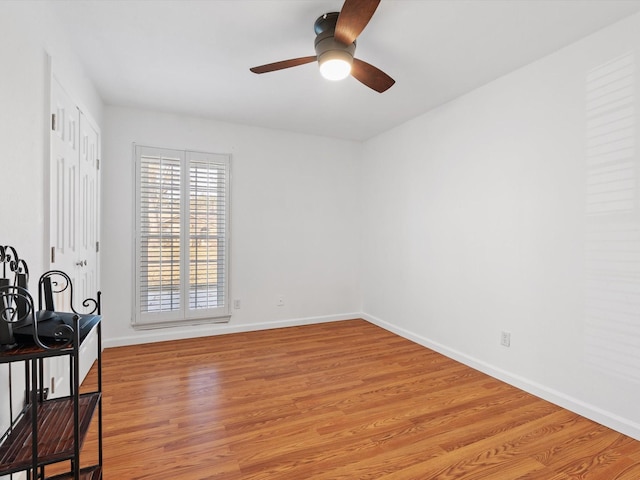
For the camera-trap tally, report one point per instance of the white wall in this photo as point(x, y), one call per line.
point(30, 36)
point(32, 45)
point(23, 96)
point(294, 228)
point(478, 218)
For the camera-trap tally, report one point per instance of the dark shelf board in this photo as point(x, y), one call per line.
point(29, 350)
point(55, 433)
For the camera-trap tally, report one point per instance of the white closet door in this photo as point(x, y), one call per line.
point(87, 284)
point(74, 216)
point(87, 272)
point(64, 182)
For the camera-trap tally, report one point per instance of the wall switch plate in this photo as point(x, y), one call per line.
point(505, 339)
point(280, 301)
point(236, 304)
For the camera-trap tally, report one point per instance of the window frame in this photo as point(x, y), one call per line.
point(184, 315)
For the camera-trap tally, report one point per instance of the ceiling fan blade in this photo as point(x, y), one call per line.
point(371, 76)
point(354, 16)
point(272, 67)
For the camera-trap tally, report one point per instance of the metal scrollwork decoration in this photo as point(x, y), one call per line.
point(17, 307)
point(9, 258)
point(16, 304)
point(61, 282)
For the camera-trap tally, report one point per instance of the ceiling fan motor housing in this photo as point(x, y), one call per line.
point(325, 42)
point(326, 22)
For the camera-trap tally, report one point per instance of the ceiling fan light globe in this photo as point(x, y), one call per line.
point(335, 69)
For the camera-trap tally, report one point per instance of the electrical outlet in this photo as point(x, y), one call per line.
point(505, 339)
point(280, 301)
point(236, 304)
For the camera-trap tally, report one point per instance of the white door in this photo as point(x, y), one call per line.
point(87, 266)
point(86, 284)
point(65, 154)
point(74, 222)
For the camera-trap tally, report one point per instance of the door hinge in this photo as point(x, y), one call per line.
point(97, 164)
point(53, 122)
point(97, 247)
point(53, 254)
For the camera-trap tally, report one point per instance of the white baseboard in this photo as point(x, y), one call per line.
point(556, 397)
point(180, 333)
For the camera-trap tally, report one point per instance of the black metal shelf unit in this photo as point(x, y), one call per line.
point(47, 431)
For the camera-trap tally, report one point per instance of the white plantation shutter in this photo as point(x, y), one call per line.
point(160, 213)
point(207, 227)
point(182, 229)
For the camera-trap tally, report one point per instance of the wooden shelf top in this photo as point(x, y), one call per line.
point(55, 433)
point(26, 351)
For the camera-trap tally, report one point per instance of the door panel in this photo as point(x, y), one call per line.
point(74, 217)
point(88, 222)
point(63, 213)
point(63, 189)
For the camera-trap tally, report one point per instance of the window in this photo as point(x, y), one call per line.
point(182, 232)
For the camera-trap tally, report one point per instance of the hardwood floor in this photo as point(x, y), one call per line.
point(344, 400)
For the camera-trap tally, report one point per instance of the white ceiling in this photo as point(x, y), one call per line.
point(193, 56)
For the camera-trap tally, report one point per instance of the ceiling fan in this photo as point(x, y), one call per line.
point(335, 46)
